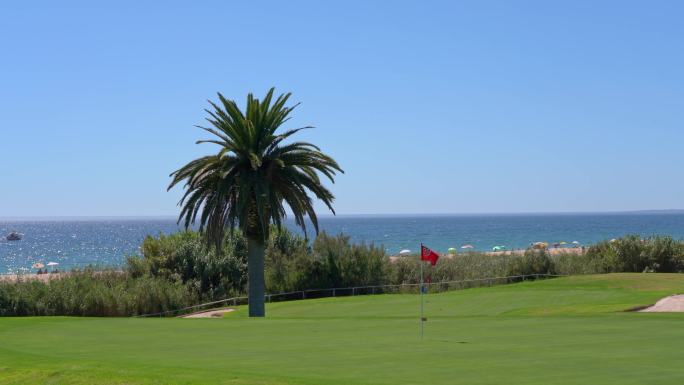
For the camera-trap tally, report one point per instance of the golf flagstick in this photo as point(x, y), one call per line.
point(422, 317)
point(430, 256)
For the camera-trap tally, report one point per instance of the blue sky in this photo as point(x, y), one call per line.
point(430, 107)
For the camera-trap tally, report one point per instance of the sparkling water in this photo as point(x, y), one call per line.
point(106, 242)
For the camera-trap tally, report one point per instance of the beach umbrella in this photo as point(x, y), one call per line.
point(575, 243)
point(467, 247)
point(452, 250)
point(404, 252)
point(540, 245)
point(53, 265)
point(37, 265)
point(562, 243)
point(498, 248)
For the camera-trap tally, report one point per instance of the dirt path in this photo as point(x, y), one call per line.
point(214, 313)
point(673, 303)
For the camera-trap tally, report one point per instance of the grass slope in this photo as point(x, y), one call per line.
point(561, 331)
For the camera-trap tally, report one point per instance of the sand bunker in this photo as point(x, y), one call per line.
point(673, 303)
point(215, 313)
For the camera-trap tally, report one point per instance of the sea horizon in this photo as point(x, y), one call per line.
point(329, 215)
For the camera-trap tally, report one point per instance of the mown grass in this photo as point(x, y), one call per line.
point(562, 331)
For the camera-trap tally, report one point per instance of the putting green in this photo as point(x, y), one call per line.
point(561, 331)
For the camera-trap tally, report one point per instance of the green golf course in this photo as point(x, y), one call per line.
point(572, 330)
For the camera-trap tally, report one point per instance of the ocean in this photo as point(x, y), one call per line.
point(105, 242)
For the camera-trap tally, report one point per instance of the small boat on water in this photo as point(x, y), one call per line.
point(14, 236)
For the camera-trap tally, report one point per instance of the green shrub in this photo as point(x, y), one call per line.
point(179, 270)
point(89, 293)
point(627, 254)
point(574, 264)
point(472, 266)
point(532, 262)
point(184, 257)
point(336, 262)
point(664, 254)
point(288, 259)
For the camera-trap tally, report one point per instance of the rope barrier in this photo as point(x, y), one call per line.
point(354, 290)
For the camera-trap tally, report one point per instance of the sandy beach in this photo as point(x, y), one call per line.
point(40, 277)
point(551, 251)
point(30, 277)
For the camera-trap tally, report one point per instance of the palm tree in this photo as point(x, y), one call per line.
point(251, 178)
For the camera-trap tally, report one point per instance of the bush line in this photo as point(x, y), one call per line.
point(178, 270)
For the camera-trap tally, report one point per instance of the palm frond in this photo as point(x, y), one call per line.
point(255, 174)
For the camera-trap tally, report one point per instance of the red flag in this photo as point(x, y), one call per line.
point(428, 255)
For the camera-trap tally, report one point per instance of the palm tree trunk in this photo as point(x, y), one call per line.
point(255, 271)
